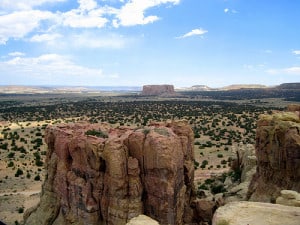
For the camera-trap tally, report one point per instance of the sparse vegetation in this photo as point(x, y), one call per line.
point(217, 126)
point(97, 133)
point(223, 222)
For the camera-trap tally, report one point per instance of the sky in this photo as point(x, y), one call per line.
point(137, 42)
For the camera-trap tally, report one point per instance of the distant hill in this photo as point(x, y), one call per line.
point(23, 89)
point(243, 86)
point(289, 86)
point(20, 89)
point(197, 88)
point(226, 88)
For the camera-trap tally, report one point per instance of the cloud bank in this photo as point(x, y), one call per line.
point(19, 18)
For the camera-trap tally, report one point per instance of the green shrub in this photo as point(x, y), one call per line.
point(146, 131)
point(224, 161)
point(21, 210)
point(11, 155)
point(196, 164)
point(162, 131)
point(223, 222)
point(19, 172)
point(215, 189)
point(220, 155)
point(97, 133)
point(37, 177)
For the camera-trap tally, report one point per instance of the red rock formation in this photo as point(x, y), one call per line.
point(112, 178)
point(158, 90)
point(278, 155)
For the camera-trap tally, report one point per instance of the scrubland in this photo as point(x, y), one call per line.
point(218, 125)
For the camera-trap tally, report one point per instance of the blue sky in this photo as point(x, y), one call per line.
point(137, 42)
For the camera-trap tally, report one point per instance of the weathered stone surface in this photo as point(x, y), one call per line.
point(288, 197)
point(256, 213)
point(142, 220)
point(158, 90)
point(205, 209)
point(278, 156)
point(245, 162)
point(117, 176)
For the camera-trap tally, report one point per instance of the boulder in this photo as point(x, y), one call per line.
point(256, 213)
point(142, 220)
point(205, 209)
point(288, 197)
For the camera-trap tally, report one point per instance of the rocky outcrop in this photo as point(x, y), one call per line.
point(100, 175)
point(244, 167)
point(142, 220)
point(158, 90)
point(278, 155)
point(288, 197)
point(258, 213)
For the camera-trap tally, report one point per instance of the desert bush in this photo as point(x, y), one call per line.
point(21, 210)
point(146, 131)
point(218, 188)
point(224, 162)
point(4, 146)
point(97, 133)
point(11, 155)
point(223, 222)
point(37, 177)
point(161, 131)
point(19, 172)
point(196, 164)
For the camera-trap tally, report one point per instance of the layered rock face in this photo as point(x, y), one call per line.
point(278, 155)
point(158, 90)
point(114, 175)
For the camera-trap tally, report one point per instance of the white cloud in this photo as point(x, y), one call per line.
point(87, 4)
point(296, 52)
point(53, 69)
point(133, 12)
point(293, 70)
point(14, 54)
point(19, 24)
point(95, 40)
point(22, 19)
point(290, 71)
point(194, 32)
point(24, 4)
point(268, 51)
point(78, 19)
point(45, 37)
point(227, 10)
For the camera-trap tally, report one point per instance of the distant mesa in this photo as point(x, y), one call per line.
point(289, 86)
point(243, 86)
point(164, 89)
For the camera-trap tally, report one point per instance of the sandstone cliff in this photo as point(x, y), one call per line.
point(278, 155)
point(158, 90)
point(108, 176)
